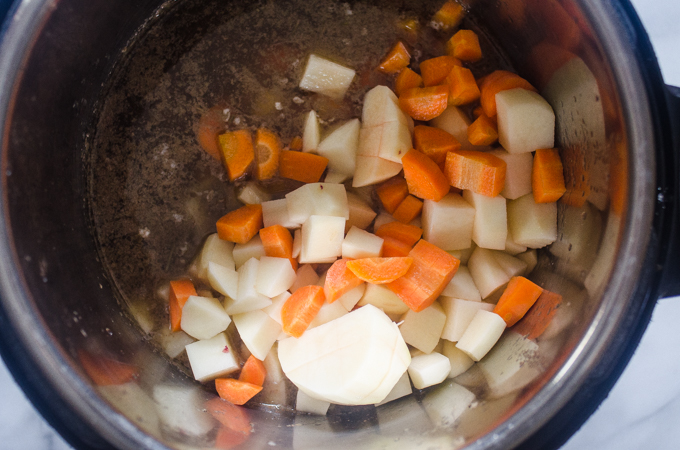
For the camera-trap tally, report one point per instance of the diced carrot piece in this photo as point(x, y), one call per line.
point(424, 177)
point(339, 280)
point(577, 178)
point(407, 79)
point(231, 416)
point(464, 45)
point(434, 142)
point(435, 70)
point(431, 271)
point(408, 209)
point(392, 192)
point(253, 371)
point(479, 172)
point(449, 15)
point(301, 308)
point(498, 81)
point(277, 241)
point(518, 297)
point(238, 153)
point(409, 234)
point(547, 176)
point(241, 224)
point(396, 59)
point(210, 126)
point(180, 291)
point(395, 247)
point(463, 87)
point(539, 316)
point(104, 371)
point(482, 131)
point(299, 166)
point(380, 270)
point(425, 103)
point(296, 143)
point(268, 148)
point(235, 391)
point(226, 438)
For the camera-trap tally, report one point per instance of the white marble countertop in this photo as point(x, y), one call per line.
point(643, 409)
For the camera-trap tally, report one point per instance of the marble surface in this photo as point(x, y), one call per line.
point(643, 409)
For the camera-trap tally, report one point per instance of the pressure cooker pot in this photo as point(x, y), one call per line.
point(107, 195)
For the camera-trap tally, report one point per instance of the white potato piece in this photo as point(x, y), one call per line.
point(532, 224)
point(356, 359)
point(335, 177)
point(526, 122)
point(326, 77)
point(322, 238)
point(423, 329)
point(297, 243)
point(381, 105)
point(382, 219)
point(215, 250)
point(181, 410)
point(455, 122)
point(445, 404)
point(395, 141)
point(481, 335)
point(275, 212)
point(370, 168)
point(448, 223)
point(274, 276)
point(490, 228)
point(306, 276)
point(174, 342)
point(208, 359)
point(351, 298)
point(530, 257)
point(274, 310)
point(340, 147)
point(512, 266)
point(319, 199)
point(258, 332)
point(361, 244)
point(459, 314)
point(311, 136)
point(305, 403)
point(223, 279)
point(488, 275)
point(512, 247)
point(401, 389)
point(328, 312)
point(428, 370)
point(464, 254)
point(360, 213)
point(251, 249)
point(519, 167)
point(381, 297)
point(462, 286)
point(275, 387)
point(253, 194)
point(247, 297)
point(203, 317)
point(460, 362)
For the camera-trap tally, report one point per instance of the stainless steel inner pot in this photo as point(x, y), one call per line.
point(60, 297)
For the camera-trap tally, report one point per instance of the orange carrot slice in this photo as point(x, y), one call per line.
point(392, 192)
point(479, 172)
point(104, 371)
point(235, 391)
point(435, 70)
point(210, 126)
point(394, 247)
point(425, 103)
point(231, 416)
point(236, 148)
point(407, 79)
point(434, 142)
point(408, 209)
point(268, 148)
point(180, 291)
point(464, 45)
point(539, 316)
point(241, 224)
point(301, 308)
point(305, 167)
point(424, 177)
point(518, 297)
point(430, 272)
point(482, 131)
point(253, 371)
point(296, 143)
point(495, 82)
point(339, 280)
point(380, 270)
point(463, 88)
point(547, 176)
point(277, 241)
point(449, 15)
point(396, 59)
point(409, 234)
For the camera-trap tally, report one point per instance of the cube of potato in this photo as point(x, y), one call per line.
point(512, 247)
point(383, 299)
point(223, 280)
point(253, 194)
point(360, 213)
point(423, 329)
point(275, 212)
point(305, 276)
point(455, 122)
point(251, 249)
point(401, 389)
point(203, 317)
point(373, 170)
point(274, 276)
point(464, 254)
point(448, 223)
point(326, 77)
point(381, 106)
point(215, 250)
point(512, 266)
point(395, 141)
point(532, 224)
point(181, 410)
point(531, 258)
point(305, 403)
point(519, 167)
point(490, 228)
point(174, 342)
point(428, 370)
point(318, 199)
point(486, 272)
point(258, 332)
point(482, 334)
point(335, 177)
point(460, 362)
point(297, 243)
point(526, 122)
point(351, 298)
point(462, 286)
point(340, 147)
point(322, 238)
point(311, 136)
point(459, 314)
point(328, 312)
point(247, 297)
point(209, 360)
point(274, 310)
point(361, 244)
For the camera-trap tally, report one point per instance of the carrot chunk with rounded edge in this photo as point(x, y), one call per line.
point(409, 234)
point(380, 270)
point(268, 149)
point(425, 103)
point(299, 166)
point(180, 291)
point(482, 131)
point(464, 45)
point(238, 153)
point(396, 59)
point(547, 176)
point(231, 416)
point(104, 371)
point(301, 308)
point(277, 241)
point(241, 224)
point(449, 15)
point(408, 209)
point(479, 172)
point(518, 297)
point(235, 391)
point(407, 79)
point(424, 177)
point(392, 192)
point(537, 319)
point(498, 81)
point(435, 70)
point(296, 143)
point(210, 126)
point(463, 88)
point(434, 142)
point(253, 371)
point(339, 280)
point(395, 247)
point(430, 272)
